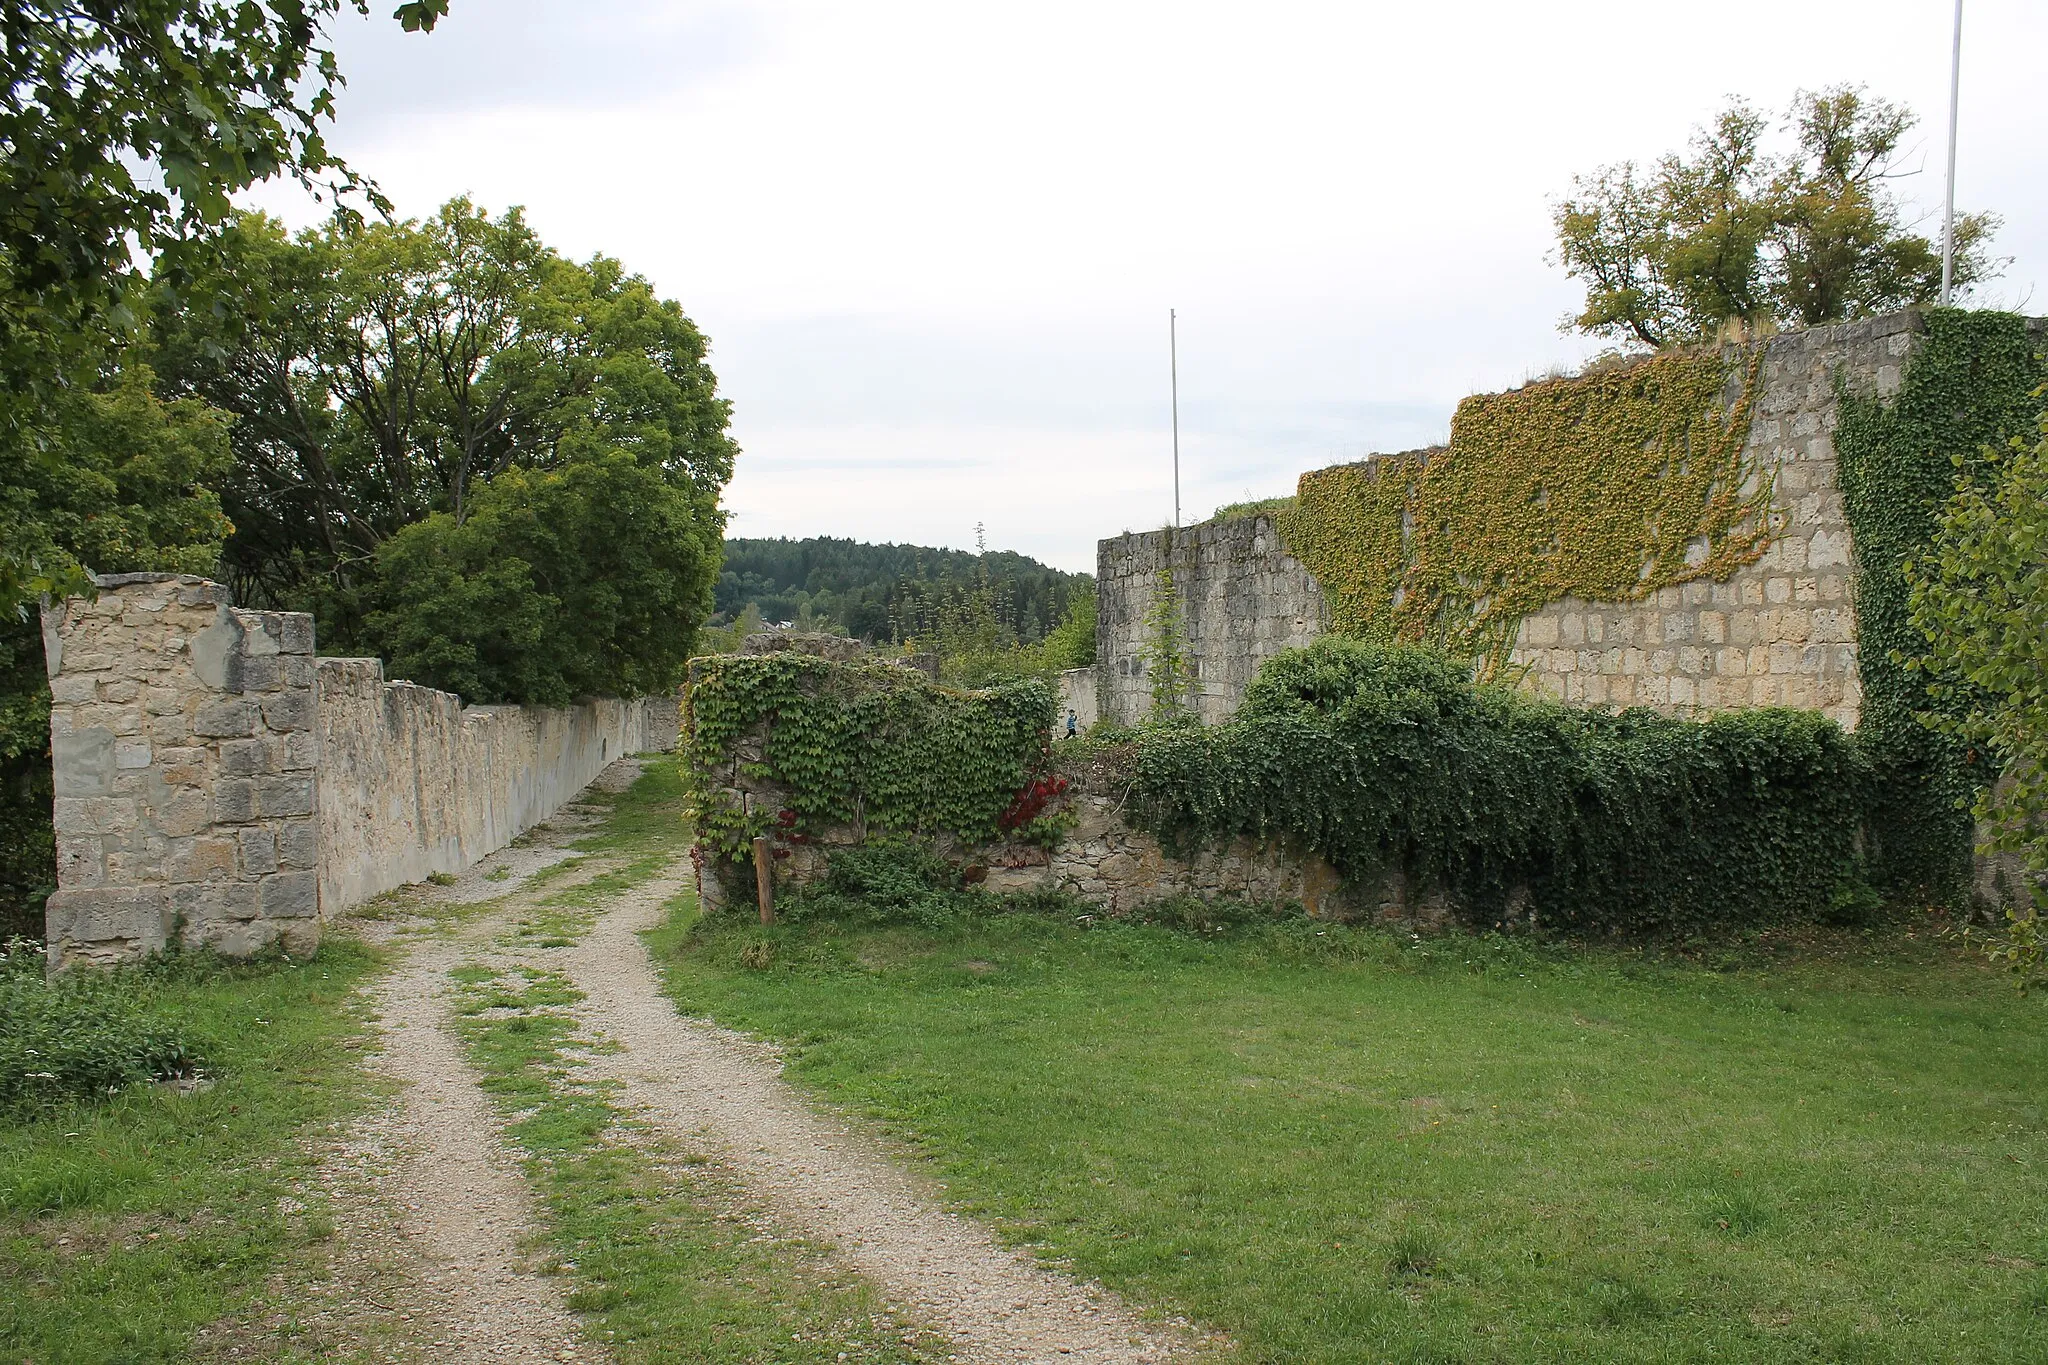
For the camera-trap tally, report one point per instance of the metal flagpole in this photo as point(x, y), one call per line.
point(1948, 227)
point(1173, 369)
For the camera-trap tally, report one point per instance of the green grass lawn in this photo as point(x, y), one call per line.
point(129, 1224)
point(1352, 1146)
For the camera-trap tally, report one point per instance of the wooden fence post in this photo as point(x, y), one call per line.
point(764, 879)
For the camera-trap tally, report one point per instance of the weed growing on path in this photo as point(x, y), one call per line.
point(669, 1260)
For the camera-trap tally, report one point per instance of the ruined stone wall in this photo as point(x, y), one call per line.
point(412, 782)
point(182, 734)
point(1778, 632)
point(1079, 694)
point(217, 784)
point(1103, 860)
point(1243, 599)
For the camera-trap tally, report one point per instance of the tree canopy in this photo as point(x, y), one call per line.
point(1727, 230)
point(125, 125)
point(383, 376)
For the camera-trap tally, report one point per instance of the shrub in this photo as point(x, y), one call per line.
point(1384, 757)
point(869, 745)
point(885, 883)
point(78, 1036)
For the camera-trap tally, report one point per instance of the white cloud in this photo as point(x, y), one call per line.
point(934, 244)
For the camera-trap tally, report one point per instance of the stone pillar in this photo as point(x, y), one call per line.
point(182, 734)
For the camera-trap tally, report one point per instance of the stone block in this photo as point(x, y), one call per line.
point(202, 903)
point(131, 753)
point(291, 895)
point(201, 860)
point(171, 729)
point(1713, 627)
point(182, 811)
point(81, 860)
point(258, 847)
point(234, 800)
point(69, 689)
point(120, 720)
point(244, 757)
point(82, 760)
point(262, 675)
point(298, 843)
point(289, 710)
point(226, 719)
point(98, 914)
point(288, 794)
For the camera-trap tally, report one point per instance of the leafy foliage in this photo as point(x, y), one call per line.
point(869, 745)
point(1609, 486)
point(1979, 595)
point(1165, 650)
point(124, 127)
point(77, 1036)
point(1970, 387)
point(382, 375)
point(1727, 231)
point(124, 488)
point(885, 882)
point(1388, 757)
point(586, 580)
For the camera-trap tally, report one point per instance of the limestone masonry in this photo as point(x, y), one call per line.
point(216, 782)
point(1779, 632)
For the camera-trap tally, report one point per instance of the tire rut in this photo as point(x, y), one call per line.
point(695, 1080)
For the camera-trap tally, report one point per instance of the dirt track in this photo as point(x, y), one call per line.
point(429, 1198)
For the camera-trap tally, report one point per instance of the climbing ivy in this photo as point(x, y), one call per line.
point(1970, 387)
point(877, 747)
point(1608, 486)
point(1165, 648)
point(1389, 757)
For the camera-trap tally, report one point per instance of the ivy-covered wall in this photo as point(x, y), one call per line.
point(802, 748)
point(1671, 533)
point(1975, 380)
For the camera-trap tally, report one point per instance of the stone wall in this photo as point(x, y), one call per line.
point(182, 734)
point(412, 782)
point(1778, 632)
point(1243, 599)
point(217, 784)
point(1079, 694)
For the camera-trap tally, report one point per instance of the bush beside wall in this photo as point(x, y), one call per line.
point(1522, 810)
point(872, 746)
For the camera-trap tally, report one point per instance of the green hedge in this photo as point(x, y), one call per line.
point(1390, 757)
point(1974, 382)
point(869, 745)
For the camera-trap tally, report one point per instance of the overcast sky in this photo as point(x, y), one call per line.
point(934, 245)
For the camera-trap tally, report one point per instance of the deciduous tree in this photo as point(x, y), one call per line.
point(1724, 230)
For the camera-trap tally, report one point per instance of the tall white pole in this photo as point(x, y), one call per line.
point(1948, 225)
point(1173, 370)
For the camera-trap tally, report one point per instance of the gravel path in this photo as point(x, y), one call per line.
point(694, 1080)
point(436, 1222)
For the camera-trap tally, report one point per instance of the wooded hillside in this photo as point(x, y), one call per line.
point(886, 593)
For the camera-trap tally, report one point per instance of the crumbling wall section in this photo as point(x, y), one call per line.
point(182, 734)
point(218, 787)
point(1242, 599)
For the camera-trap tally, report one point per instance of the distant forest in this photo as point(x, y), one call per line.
point(888, 593)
